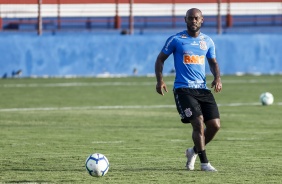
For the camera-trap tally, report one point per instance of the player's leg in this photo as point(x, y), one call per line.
point(211, 116)
point(198, 136)
point(212, 123)
point(212, 127)
point(188, 109)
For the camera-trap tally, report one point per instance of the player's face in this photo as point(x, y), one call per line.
point(194, 20)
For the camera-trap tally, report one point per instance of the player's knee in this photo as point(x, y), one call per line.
point(213, 124)
point(216, 124)
point(215, 127)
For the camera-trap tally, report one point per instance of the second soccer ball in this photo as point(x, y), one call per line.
point(266, 98)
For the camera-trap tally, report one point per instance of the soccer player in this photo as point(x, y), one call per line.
point(194, 101)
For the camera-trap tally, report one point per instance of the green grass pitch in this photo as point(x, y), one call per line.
point(48, 127)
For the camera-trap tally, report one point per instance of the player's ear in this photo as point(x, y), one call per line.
point(202, 20)
point(185, 19)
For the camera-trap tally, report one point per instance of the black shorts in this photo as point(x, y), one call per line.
point(191, 103)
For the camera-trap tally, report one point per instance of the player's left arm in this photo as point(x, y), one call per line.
point(216, 83)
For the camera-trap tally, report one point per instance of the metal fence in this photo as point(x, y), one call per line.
point(127, 17)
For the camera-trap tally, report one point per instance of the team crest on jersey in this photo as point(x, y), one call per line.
point(202, 38)
point(203, 45)
point(183, 36)
point(188, 112)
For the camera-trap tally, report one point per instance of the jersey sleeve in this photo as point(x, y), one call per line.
point(211, 51)
point(169, 46)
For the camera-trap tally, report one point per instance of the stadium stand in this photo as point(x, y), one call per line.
point(238, 16)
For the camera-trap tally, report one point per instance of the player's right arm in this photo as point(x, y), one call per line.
point(159, 73)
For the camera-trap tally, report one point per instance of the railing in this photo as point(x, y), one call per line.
point(114, 16)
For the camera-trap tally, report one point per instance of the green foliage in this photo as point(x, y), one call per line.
point(50, 126)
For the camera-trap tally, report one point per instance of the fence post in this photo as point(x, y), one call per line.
point(59, 15)
point(117, 20)
point(173, 14)
point(229, 21)
point(131, 19)
point(1, 24)
point(1, 21)
point(39, 20)
point(218, 17)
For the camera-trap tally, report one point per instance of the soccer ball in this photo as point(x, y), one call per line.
point(266, 98)
point(97, 165)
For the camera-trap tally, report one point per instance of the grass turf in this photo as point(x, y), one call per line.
point(50, 126)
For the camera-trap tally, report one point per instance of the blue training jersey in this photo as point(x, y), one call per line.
point(189, 58)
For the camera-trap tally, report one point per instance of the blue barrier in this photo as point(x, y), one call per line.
point(93, 55)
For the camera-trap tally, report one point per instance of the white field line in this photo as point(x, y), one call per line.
point(241, 139)
point(81, 84)
point(87, 108)
point(87, 84)
point(108, 142)
point(120, 107)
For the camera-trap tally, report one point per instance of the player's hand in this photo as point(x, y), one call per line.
point(217, 85)
point(160, 86)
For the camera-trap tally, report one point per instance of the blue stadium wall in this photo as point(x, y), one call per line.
point(98, 54)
